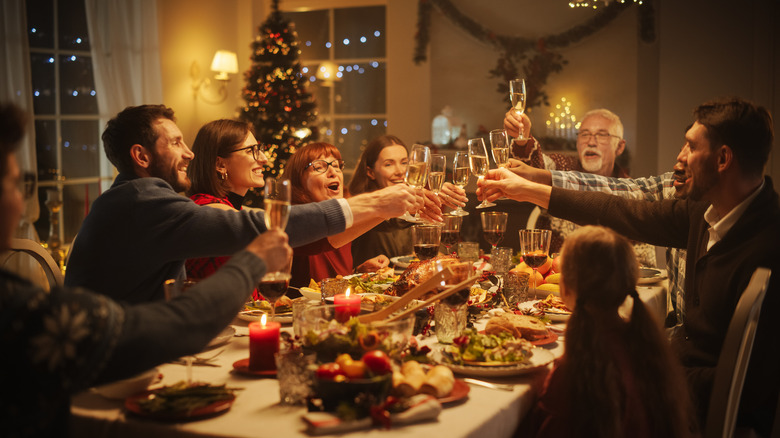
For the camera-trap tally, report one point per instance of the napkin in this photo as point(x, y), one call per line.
point(421, 408)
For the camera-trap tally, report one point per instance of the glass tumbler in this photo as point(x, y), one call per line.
point(295, 373)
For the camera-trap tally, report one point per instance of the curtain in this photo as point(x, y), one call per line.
point(125, 54)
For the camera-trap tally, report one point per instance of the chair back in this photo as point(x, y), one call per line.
point(44, 259)
point(735, 357)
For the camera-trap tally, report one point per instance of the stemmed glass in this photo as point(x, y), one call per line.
point(438, 170)
point(478, 160)
point(450, 230)
point(460, 176)
point(517, 97)
point(494, 227)
point(535, 246)
point(417, 173)
point(499, 143)
point(426, 240)
point(274, 285)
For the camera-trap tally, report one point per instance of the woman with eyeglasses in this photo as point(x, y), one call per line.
point(228, 162)
point(316, 174)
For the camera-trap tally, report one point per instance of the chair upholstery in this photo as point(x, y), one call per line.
point(735, 357)
point(44, 259)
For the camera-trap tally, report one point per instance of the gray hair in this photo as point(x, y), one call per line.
point(617, 125)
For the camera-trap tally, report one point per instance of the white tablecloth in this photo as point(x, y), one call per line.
point(257, 412)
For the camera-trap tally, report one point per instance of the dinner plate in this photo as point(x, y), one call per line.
point(255, 315)
point(549, 339)
point(557, 317)
point(460, 390)
point(210, 410)
point(223, 337)
point(242, 367)
point(650, 275)
point(539, 359)
point(402, 261)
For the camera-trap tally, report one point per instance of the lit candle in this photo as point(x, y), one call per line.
point(347, 306)
point(263, 344)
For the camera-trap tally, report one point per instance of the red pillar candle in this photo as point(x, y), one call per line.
point(263, 344)
point(347, 306)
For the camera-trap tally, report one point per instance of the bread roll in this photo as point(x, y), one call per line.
point(519, 326)
point(438, 382)
point(413, 378)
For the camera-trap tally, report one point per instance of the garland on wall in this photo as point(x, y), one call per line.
point(532, 56)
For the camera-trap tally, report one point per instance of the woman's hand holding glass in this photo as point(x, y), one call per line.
point(479, 163)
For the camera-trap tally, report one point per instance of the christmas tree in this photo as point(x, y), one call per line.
point(277, 102)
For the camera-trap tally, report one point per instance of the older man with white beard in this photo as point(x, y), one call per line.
point(599, 143)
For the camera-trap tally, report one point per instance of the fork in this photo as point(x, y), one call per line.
point(503, 387)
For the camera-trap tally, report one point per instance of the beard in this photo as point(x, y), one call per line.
point(703, 182)
point(592, 165)
point(168, 173)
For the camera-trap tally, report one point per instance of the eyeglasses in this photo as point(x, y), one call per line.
point(321, 166)
point(601, 137)
point(257, 149)
point(26, 185)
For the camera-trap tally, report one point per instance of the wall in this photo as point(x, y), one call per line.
point(653, 87)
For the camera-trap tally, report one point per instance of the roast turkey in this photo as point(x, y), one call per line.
point(418, 272)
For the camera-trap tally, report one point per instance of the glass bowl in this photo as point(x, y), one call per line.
point(324, 335)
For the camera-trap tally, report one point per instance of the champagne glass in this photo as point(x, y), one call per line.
point(517, 97)
point(478, 161)
point(460, 176)
point(438, 169)
point(499, 143)
point(417, 173)
point(493, 227)
point(274, 285)
point(426, 239)
point(277, 203)
point(535, 246)
point(450, 230)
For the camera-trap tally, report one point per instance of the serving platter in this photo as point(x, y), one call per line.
point(460, 390)
point(210, 410)
point(650, 275)
point(540, 358)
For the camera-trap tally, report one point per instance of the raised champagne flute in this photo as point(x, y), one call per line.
point(479, 164)
point(426, 239)
point(499, 144)
point(274, 285)
point(517, 97)
point(535, 246)
point(436, 175)
point(417, 173)
point(493, 227)
point(460, 176)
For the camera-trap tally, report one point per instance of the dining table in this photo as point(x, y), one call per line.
point(257, 411)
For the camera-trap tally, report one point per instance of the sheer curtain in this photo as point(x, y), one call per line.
point(125, 55)
point(17, 89)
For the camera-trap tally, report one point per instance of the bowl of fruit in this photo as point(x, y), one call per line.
point(351, 386)
point(327, 336)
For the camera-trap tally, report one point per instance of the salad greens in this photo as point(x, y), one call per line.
point(472, 346)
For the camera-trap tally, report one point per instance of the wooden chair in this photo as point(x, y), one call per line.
point(735, 358)
point(44, 259)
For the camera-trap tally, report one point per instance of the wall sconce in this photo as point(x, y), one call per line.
point(224, 63)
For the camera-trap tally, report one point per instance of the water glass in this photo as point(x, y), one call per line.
point(516, 288)
point(468, 251)
point(295, 373)
point(501, 259)
point(299, 305)
point(449, 320)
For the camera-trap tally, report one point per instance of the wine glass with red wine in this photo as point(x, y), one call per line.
point(535, 246)
point(450, 230)
point(426, 240)
point(494, 227)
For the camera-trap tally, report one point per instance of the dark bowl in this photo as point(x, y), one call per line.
point(359, 394)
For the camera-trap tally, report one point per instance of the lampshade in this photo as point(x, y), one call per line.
point(224, 62)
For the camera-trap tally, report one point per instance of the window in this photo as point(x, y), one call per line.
point(67, 131)
point(343, 55)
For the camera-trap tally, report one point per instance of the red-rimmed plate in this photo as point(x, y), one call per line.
point(242, 367)
point(460, 390)
point(549, 339)
point(210, 410)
